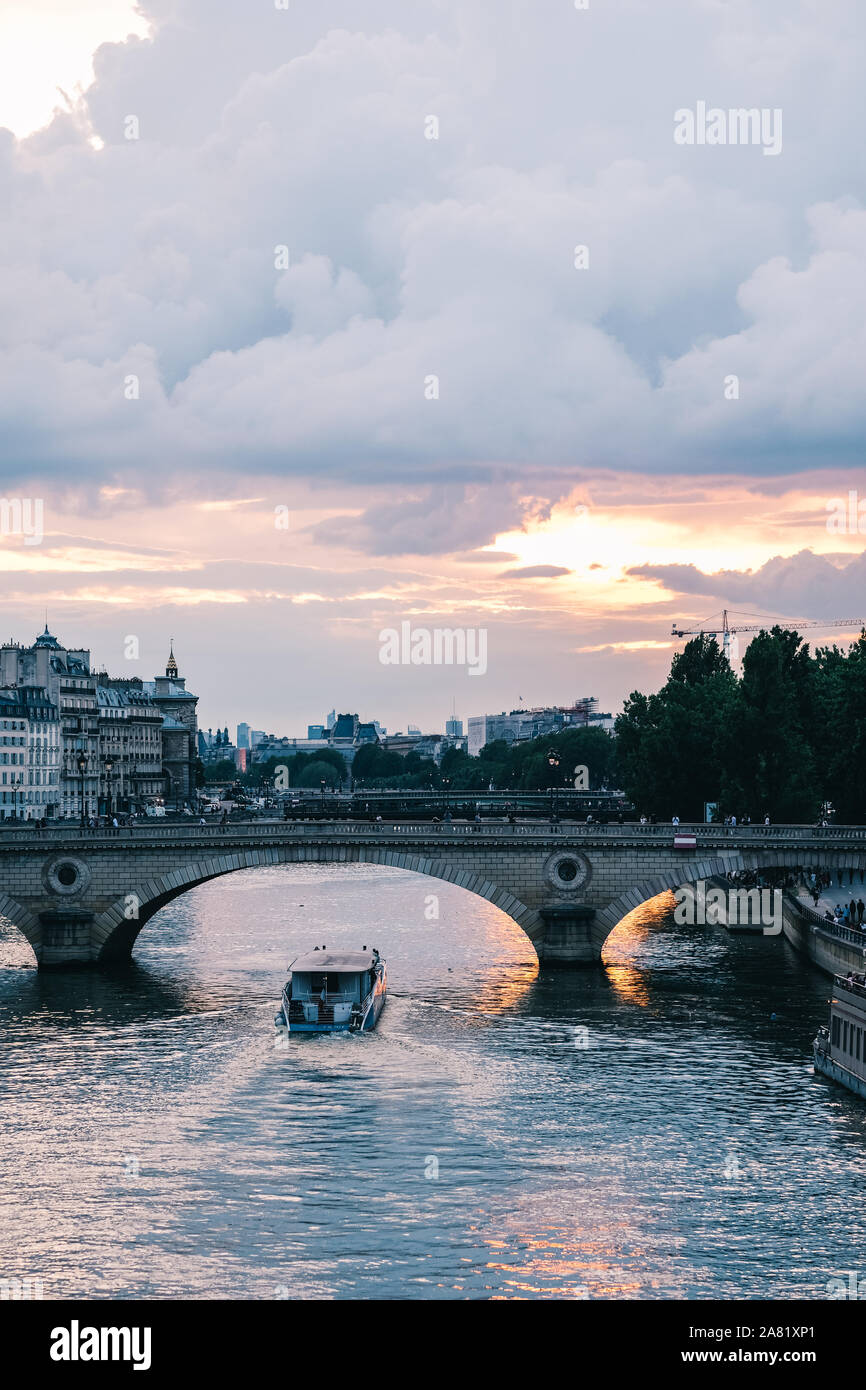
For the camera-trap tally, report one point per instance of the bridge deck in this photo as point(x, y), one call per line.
point(707, 836)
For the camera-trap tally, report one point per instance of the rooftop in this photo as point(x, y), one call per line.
point(333, 962)
point(46, 639)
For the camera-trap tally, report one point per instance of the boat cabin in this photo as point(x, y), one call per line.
point(324, 985)
point(840, 1050)
point(848, 1023)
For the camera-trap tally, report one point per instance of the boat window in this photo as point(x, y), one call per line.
point(836, 1029)
point(331, 984)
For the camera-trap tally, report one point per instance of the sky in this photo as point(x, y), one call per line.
point(321, 319)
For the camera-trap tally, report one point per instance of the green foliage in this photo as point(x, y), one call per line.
point(671, 748)
point(317, 771)
point(334, 772)
point(551, 761)
point(373, 763)
point(787, 735)
point(840, 746)
point(223, 771)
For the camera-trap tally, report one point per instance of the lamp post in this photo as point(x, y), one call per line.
point(16, 786)
point(553, 764)
point(446, 782)
point(322, 786)
point(81, 760)
point(109, 768)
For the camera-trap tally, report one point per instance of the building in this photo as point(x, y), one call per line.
point(243, 736)
point(66, 678)
point(429, 747)
point(454, 727)
point(130, 746)
point(524, 724)
point(180, 746)
point(117, 747)
point(219, 747)
point(30, 754)
point(343, 733)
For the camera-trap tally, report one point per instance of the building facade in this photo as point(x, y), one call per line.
point(130, 746)
point(30, 755)
point(522, 724)
point(110, 744)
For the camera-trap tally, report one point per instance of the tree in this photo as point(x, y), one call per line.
point(316, 772)
point(372, 763)
point(223, 771)
point(770, 765)
point(671, 748)
point(840, 729)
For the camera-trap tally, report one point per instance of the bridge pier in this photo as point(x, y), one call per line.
point(66, 938)
point(567, 941)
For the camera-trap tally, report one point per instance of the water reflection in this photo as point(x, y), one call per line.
point(505, 1132)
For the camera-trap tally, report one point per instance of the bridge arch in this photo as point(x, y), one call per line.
point(609, 917)
point(25, 921)
point(116, 929)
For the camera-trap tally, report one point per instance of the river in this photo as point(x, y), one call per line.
point(649, 1130)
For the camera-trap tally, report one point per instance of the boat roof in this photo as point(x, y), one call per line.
point(333, 961)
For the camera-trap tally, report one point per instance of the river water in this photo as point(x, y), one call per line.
point(645, 1131)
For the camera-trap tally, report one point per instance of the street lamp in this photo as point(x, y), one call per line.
point(15, 789)
point(109, 767)
point(553, 764)
point(322, 786)
point(82, 768)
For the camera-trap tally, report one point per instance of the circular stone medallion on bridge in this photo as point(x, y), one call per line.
point(66, 875)
point(566, 871)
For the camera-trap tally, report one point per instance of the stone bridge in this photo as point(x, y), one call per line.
point(83, 896)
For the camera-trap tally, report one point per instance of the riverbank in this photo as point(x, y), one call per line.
point(835, 950)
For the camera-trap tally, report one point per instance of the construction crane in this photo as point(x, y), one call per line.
point(727, 631)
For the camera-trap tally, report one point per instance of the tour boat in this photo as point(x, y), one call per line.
point(840, 1050)
point(333, 992)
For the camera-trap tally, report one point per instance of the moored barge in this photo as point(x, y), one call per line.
point(840, 1049)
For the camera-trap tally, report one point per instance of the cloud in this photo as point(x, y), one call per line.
point(150, 335)
point(804, 585)
point(484, 557)
point(445, 519)
point(535, 572)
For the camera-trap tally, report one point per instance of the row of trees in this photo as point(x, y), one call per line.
point(552, 761)
point(304, 770)
point(781, 740)
point(545, 762)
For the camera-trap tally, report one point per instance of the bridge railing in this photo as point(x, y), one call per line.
point(817, 919)
point(706, 836)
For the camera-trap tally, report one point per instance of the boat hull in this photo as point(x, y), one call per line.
point(369, 1023)
point(832, 1069)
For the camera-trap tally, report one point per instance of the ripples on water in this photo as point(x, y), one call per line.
point(156, 1144)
